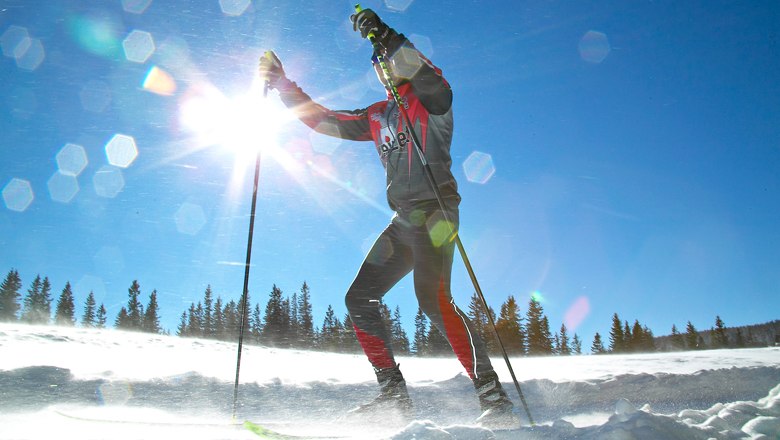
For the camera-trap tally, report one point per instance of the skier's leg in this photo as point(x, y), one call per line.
point(387, 262)
point(433, 254)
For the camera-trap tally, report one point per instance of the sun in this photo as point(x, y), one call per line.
point(245, 124)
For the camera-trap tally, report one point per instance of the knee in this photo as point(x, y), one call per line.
point(355, 301)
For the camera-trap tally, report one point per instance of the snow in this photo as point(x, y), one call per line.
point(142, 386)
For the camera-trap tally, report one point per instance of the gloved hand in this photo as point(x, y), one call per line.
point(271, 69)
point(366, 21)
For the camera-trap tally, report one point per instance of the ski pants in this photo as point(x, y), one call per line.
point(417, 240)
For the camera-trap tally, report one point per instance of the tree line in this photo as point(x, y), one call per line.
point(287, 322)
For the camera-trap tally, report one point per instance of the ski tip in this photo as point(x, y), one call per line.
point(358, 8)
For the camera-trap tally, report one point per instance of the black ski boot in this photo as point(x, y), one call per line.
point(393, 397)
point(497, 409)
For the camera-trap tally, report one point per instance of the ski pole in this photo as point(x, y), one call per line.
point(245, 294)
point(435, 187)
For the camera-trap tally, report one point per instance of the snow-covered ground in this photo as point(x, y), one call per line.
point(142, 386)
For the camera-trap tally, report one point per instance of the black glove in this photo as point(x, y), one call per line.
point(367, 22)
point(271, 69)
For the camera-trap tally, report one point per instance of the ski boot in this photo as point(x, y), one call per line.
point(497, 409)
point(393, 398)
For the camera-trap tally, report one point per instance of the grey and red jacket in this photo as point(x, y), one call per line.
point(428, 100)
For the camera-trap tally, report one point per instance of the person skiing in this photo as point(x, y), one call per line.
point(418, 238)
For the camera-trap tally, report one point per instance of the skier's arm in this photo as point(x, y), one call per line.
point(345, 124)
point(427, 81)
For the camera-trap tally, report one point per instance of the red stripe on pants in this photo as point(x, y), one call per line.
point(456, 331)
point(374, 347)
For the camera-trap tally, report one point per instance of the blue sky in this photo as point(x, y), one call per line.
point(636, 149)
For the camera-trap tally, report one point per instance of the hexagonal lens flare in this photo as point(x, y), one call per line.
point(108, 181)
point(138, 46)
point(18, 195)
point(479, 167)
point(594, 47)
point(136, 6)
point(71, 159)
point(13, 38)
point(121, 150)
point(62, 187)
point(234, 7)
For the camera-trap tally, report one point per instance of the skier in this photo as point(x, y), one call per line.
point(413, 241)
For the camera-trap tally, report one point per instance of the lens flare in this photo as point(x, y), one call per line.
point(479, 167)
point(577, 312)
point(159, 82)
point(594, 47)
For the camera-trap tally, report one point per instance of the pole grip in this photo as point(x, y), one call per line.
point(358, 10)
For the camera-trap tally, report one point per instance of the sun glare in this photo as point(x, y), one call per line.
point(245, 124)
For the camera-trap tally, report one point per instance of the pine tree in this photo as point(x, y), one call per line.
point(563, 347)
point(546, 336)
point(275, 318)
point(437, 343)
point(538, 330)
point(286, 324)
point(720, 339)
point(135, 312)
point(305, 317)
point(480, 321)
point(400, 339)
point(219, 320)
point(9, 296)
point(329, 336)
point(598, 346)
point(295, 325)
point(88, 318)
point(230, 312)
point(181, 330)
point(637, 337)
point(37, 303)
point(510, 328)
point(627, 337)
point(151, 322)
point(420, 333)
point(576, 344)
point(677, 340)
point(195, 321)
point(616, 336)
point(648, 342)
point(64, 314)
point(349, 342)
point(208, 313)
point(122, 321)
point(691, 337)
point(102, 316)
point(256, 324)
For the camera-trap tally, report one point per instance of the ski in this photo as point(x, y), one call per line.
point(270, 434)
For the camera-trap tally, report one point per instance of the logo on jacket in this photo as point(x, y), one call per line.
point(396, 144)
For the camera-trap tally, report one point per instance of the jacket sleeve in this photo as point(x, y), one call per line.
point(409, 64)
point(345, 124)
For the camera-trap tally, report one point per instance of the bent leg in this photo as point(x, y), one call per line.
point(386, 263)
